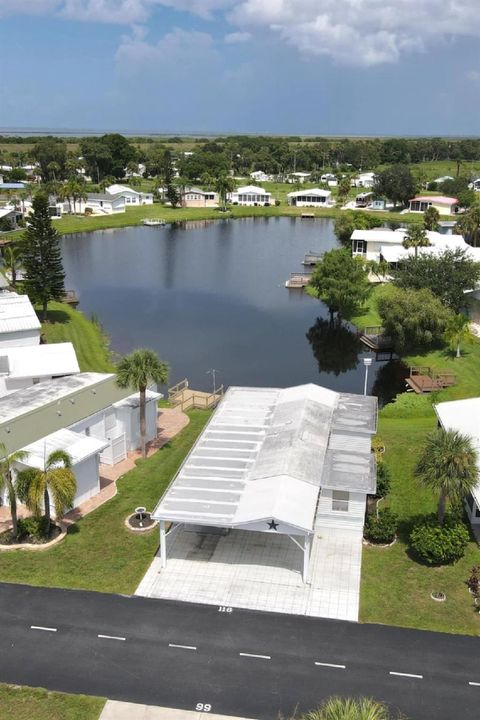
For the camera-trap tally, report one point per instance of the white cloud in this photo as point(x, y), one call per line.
point(473, 76)
point(28, 7)
point(122, 12)
point(237, 37)
point(360, 32)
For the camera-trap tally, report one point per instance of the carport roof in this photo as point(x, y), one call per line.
point(265, 454)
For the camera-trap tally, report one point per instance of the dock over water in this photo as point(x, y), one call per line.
point(181, 395)
point(423, 379)
point(298, 280)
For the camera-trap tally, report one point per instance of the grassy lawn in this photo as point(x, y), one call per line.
point(396, 589)
point(68, 325)
point(99, 553)
point(23, 703)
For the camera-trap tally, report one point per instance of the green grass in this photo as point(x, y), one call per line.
point(68, 325)
point(99, 553)
point(395, 589)
point(24, 703)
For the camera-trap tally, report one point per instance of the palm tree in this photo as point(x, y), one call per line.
point(416, 237)
point(469, 225)
point(11, 260)
point(448, 466)
point(6, 481)
point(337, 708)
point(457, 332)
point(223, 186)
point(53, 169)
point(138, 370)
point(57, 479)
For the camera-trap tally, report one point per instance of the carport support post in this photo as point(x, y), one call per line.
point(163, 545)
point(306, 556)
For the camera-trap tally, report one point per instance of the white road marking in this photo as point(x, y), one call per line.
point(331, 665)
point(111, 637)
point(409, 675)
point(475, 684)
point(40, 627)
point(262, 657)
point(183, 647)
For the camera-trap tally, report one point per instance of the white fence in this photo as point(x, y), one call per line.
point(116, 450)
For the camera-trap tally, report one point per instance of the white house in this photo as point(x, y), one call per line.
point(444, 205)
point(20, 368)
point(194, 197)
point(260, 176)
point(250, 195)
point(85, 414)
point(328, 177)
point(298, 177)
point(314, 197)
point(475, 185)
point(132, 197)
point(443, 179)
point(380, 243)
point(19, 324)
point(303, 463)
point(364, 199)
point(365, 180)
point(98, 204)
point(463, 417)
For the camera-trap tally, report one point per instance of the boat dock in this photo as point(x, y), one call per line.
point(307, 216)
point(312, 258)
point(424, 379)
point(71, 298)
point(181, 395)
point(298, 280)
point(374, 338)
point(153, 222)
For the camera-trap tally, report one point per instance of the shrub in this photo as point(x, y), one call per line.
point(439, 544)
point(36, 527)
point(383, 480)
point(473, 582)
point(277, 203)
point(381, 529)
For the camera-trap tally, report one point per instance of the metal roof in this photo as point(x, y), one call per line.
point(265, 454)
point(17, 313)
point(312, 191)
point(79, 447)
point(41, 360)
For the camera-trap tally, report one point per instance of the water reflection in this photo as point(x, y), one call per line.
point(334, 347)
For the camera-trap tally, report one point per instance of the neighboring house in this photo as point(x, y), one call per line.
point(12, 186)
point(475, 185)
point(444, 205)
point(132, 197)
point(139, 173)
point(11, 214)
point(382, 244)
point(250, 195)
point(463, 416)
point(297, 177)
point(20, 368)
point(443, 179)
point(19, 324)
point(328, 177)
point(305, 465)
point(194, 197)
point(365, 180)
point(260, 176)
point(97, 204)
point(92, 414)
point(310, 198)
point(364, 200)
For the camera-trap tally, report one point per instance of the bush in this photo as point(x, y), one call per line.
point(440, 544)
point(35, 527)
point(277, 203)
point(383, 480)
point(381, 529)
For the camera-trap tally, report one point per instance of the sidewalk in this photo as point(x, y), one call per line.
point(115, 710)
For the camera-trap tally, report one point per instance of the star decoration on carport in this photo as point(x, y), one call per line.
point(272, 525)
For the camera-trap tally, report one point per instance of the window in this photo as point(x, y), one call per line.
point(359, 247)
point(340, 500)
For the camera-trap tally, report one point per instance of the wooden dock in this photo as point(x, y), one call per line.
point(307, 216)
point(298, 280)
point(181, 395)
point(374, 338)
point(312, 258)
point(71, 298)
point(424, 380)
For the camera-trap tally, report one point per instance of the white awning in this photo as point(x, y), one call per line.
point(78, 446)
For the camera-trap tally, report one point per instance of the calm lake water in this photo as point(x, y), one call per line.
point(212, 295)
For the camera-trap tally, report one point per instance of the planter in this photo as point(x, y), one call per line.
point(379, 545)
point(38, 546)
point(438, 596)
point(132, 523)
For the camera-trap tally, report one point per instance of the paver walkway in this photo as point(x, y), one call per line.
point(170, 421)
point(115, 710)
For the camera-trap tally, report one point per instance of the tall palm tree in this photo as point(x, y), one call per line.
point(138, 370)
point(337, 708)
point(448, 466)
point(56, 481)
point(416, 237)
point(12, 260)
point(469, 225)
point(224, 185)
point(6, 481)
point(457, 332)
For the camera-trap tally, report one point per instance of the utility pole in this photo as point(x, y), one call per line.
point(213, 373)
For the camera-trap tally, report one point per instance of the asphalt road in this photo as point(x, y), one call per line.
point(234, 662)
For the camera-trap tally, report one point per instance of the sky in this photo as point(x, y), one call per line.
point(314, 67)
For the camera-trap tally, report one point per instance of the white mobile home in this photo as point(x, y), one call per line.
point(132, 197)
point(97, 204)
point(250, 195)
point(444, 205)
point(20, 368)
point(19, 324)
point(313, 197)
point(194, 197)
point(380, 243)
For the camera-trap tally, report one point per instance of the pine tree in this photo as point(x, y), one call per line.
point(41, 257)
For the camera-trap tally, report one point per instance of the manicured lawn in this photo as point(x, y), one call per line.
point(99, 553)
point(24, 703)
point(395, 588)
point(68, 325)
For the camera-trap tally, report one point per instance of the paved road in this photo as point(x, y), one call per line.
point(237, 663)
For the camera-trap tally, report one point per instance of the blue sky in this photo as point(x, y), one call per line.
point(273, 66)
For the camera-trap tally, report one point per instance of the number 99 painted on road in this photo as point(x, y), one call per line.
point(203, 707)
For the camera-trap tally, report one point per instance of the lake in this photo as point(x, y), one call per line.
point(209, 295)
